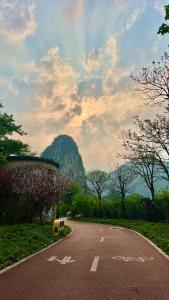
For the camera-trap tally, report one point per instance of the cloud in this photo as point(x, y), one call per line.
point(17, 19)
point(98, 60)
point(134, 17)
point(93, 106)
point(7, 85)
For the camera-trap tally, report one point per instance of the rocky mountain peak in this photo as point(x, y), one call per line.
point(64, 150)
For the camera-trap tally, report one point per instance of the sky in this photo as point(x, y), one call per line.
point(65, 68)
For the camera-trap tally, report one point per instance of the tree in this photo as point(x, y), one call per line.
point(164, 28)
point(98, 182)
point(155, 134)
point(153, 82)
point(10, 146)
point(143, 160)
point(72, 189)
point(121, 179)
point(41, 184)
point(62, 186)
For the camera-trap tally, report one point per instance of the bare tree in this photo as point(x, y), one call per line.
point(98, 182)
point(121, 179)
point(153, 82)
point(143, 160)
point(155, 134)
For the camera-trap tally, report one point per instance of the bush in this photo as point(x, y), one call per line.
point(161, 205)
point(134, 207)
point(86, 205)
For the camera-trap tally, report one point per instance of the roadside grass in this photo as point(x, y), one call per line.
point(158, 233)
point(20, 240)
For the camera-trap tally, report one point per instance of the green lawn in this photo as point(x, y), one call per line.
point(158, 233)
point(20, 240)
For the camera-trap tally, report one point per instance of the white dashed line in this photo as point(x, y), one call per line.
point(102, 239)
point(94, 264)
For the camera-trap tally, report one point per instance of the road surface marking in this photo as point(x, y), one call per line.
point(94, 264)
point(116, 228)
point(138, 259)
point(64, 261)
point(102, 239)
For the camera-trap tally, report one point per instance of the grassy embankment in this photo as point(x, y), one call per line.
point(158, 233)
point(20, 240)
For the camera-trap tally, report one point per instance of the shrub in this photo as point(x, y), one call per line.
point(134, 207)
point(162, 205)
point(86, 205)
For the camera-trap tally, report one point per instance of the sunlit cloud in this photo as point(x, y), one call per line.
point(72, 76)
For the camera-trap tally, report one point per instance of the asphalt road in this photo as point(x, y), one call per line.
point(100, 262)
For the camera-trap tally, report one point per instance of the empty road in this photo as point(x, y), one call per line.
point(97, 262)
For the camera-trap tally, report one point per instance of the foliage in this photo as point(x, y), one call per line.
point(164, 28)
point(162, 205)
point(10, 146)
point(72, 189)
point(20, 240)
point(85, 205)
point(44, 186)
point(134, 207)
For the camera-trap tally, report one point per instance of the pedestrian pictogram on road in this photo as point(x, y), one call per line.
point(64, 261)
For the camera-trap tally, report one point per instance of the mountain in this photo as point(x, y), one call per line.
point(64, 151)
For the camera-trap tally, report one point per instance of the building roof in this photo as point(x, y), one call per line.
point(32, 158)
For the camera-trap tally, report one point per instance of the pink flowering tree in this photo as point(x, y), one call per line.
point(42, 185)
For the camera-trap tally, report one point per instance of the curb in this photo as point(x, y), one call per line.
point(151, 243)
point(34, 254)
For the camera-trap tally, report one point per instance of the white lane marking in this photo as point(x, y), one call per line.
point(139, 259)
point(116, 228)
point(102, 239)
point(64, 261)
point(94, 264)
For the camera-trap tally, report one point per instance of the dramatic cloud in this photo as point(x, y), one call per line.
point(17, 19)
point(72, 75)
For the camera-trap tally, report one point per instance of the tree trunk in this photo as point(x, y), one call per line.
point(41, 219)
point(123, 205)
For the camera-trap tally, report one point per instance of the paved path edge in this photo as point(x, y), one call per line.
point(150, 242)
point(34, 254)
